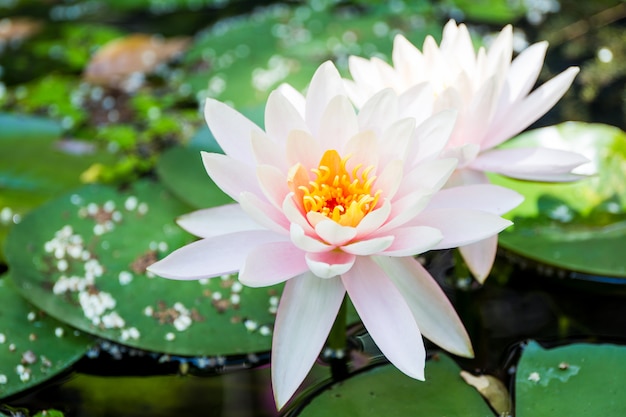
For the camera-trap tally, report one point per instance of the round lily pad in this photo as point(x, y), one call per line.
point(385, 391)
point(580, 379)
point(579, 226)
point(82, 258)
point(33, 346)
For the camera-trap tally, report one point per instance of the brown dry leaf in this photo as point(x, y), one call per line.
point(492, 389)
point(18, 28)
point(115, 62)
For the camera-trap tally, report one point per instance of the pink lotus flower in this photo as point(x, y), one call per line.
point(333, 202)
point(494, 103)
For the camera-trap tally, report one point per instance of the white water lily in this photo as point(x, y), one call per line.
point(336, 202)
point(493, 98)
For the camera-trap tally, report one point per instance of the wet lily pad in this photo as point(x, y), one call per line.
point(385, 391)
point(82, 259)
point(33, 346)
point(575, 380)
point(30, 156)
point(577, 226)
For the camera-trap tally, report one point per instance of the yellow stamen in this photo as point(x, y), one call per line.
point(336, 193)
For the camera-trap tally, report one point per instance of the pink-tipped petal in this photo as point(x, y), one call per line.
point(272, 263)
point(216, 221)
point(409, 241)
point(263, 213)
point(368, 247)
point(302, 148)
point(479, 257)
point(274, 184)
point(333, 233)
point(390, 179)
point(306, 313)
point(405, 210)
point(211, 257)
point(536, 164)
point(233, 177)
point(461, 227)
point(427, 176)
point(307, 243)
point(330, 264)
point(486, 197)
point(523, 73)
point(231, 129)
point(432, 310)
point(386, 316)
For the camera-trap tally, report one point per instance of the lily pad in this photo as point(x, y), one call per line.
point(291, 42)
point(385, 391)
point(30, 156)
point(578, 226)
point(575, 380)
point(82, 259)
point(33, 346)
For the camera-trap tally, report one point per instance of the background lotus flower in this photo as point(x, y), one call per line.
point(492, 96)
point(335, 202)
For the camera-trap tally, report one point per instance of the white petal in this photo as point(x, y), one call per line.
point(306, 313)
point(325, 84)
point(461, 227)
point(329, 264)
point(281, 117)
point(274, 184)
point(409, 241)
point(369, 246)
point(216, 221)
point(334, 233)
point(263, 213)
point(307, 243)
point(231, 129)
point(429, 305)
point(232, 176)
point(268, 152)
point(479, 257)
point(211, 257)
point(295, 98)
point(338, 123)
point(374, 219)
point(486, 197)
point(386, 316)
point(272, 263)
point(522, 114)
point(530, 163)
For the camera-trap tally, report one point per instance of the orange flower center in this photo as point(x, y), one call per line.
point(343, 196)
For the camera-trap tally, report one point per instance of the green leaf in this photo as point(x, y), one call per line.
point(574, 226)
point(181, 170)
point(574, 380)
point(33, 346)
point(108, 238)
point(31, 157)
point(385, 391)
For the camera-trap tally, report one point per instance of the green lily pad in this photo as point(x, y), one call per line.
point(33, 346)
point(181, 170)
point(385, 391)
point(82, 259)
point(575, 380)
point(289, 43)
point(578, 226)
point(30, 157)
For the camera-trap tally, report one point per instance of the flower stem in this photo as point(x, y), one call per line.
point(338, 344)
